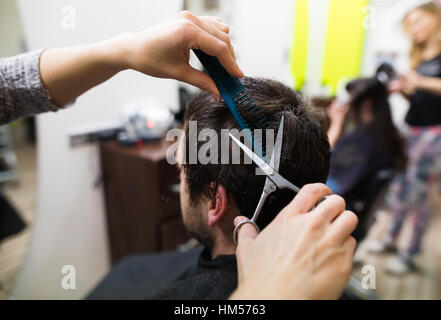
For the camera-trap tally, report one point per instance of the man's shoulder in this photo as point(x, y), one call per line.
point(139, 275)
point(212, 279)
point(214, 284)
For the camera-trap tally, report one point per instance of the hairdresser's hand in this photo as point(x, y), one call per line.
point(163, 51)
point(299, 255)
point(396, 86)
point(337, 112)
point(411, 82)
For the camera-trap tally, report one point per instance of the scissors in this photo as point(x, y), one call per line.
point(273, 179)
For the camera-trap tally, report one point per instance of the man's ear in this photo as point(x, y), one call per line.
point(218, 206)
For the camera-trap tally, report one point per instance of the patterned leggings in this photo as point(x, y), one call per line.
point(412, 191)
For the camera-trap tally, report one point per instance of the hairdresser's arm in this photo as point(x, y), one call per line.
point(413, 81)
point(334, 133)
point(431, 84)
point(337, 114)
point(161, 51)
point(301, 254)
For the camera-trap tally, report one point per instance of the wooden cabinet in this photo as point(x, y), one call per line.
point(142, 199)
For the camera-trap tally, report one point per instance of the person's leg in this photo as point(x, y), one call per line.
point(398, 196)
point(426, 175)
point(396, 200)
point(420, 222)
point(406, 197)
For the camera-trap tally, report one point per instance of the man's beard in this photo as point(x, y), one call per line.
point(197, 229)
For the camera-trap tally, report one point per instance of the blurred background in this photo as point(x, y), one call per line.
point(67, 180)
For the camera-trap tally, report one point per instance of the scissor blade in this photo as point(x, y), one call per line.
point(275, 159)
point(254, 157)
point(276, 178)
point(275, 156)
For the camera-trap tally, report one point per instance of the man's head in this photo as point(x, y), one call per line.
point(212, 195)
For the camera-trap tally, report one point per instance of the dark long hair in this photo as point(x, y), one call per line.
point(381, 127)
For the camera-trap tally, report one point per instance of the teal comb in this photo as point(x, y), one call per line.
point(235, 95)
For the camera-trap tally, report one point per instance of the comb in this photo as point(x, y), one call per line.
point(235, 96)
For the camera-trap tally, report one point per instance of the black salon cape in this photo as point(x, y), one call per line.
point(207, 280)
point(189, 275)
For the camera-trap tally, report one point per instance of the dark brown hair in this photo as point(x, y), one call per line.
point(305, 150)
point(387, 138)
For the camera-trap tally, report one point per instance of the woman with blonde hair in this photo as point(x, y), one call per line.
point(410, 192)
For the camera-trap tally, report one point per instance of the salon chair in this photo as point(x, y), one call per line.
point(370, 199)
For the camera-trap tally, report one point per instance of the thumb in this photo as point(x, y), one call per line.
point(246, 233)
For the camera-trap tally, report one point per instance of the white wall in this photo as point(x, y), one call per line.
point(70, 225)
point(263, 33)
point(10, 29)
point(386, 34)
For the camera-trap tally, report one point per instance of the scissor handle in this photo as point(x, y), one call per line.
point(262, 200)
point(236, 229)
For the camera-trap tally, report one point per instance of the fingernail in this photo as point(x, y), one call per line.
point(242, 74)
point(216, 97)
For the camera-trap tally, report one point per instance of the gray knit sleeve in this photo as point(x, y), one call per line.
point(21, 90)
